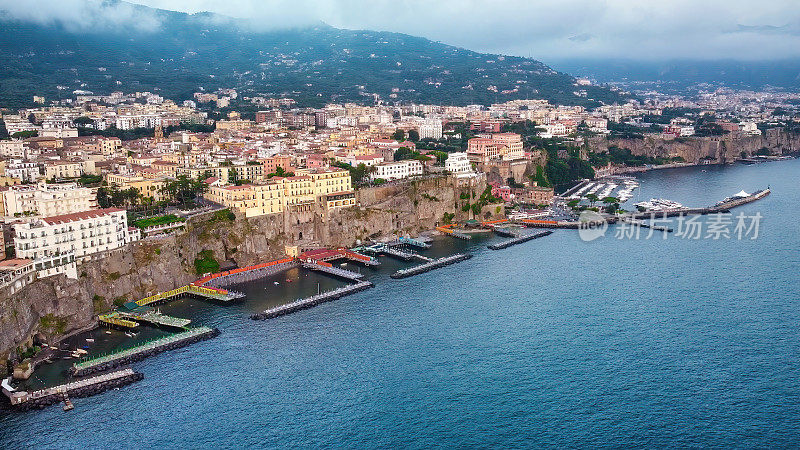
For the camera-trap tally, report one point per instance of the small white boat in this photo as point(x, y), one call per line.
point(275, 283)
point(81, 351)
point(108, 332)
point(89, 340)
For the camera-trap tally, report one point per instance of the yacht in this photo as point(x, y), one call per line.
point(658, 204)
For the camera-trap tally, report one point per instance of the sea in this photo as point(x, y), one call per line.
point(623, 341)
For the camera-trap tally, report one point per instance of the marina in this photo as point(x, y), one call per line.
point(24, 401)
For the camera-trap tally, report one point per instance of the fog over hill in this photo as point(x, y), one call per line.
point(120, 46)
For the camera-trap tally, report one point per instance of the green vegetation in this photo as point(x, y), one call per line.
point(332, 65)
point(156, 221)
point(53, 324)
point(139, 133)
point(403, 153)
point(206, 263)
point(359, 174)
point(223, 215)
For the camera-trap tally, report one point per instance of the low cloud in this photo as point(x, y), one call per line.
point(632, 29)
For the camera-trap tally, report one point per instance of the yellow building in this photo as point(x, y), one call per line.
point(147, 187)
point(327, 188)
point(62, 169)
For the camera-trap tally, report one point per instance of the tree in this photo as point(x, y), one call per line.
point(82, 121)
point(592, 198)
point(413, 135)
point(399, 135)
point(403, 153)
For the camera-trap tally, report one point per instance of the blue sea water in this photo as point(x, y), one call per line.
point(552, 343)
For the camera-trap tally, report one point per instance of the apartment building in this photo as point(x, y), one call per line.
point(56, 243)
point(328, 188)
point(46, 199)
point(458, 164)
point(397, 170)
point(55, 170)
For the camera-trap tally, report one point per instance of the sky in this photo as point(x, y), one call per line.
point(546, 30)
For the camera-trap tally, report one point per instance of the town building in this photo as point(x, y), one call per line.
point(397, 170)
point(47, 199)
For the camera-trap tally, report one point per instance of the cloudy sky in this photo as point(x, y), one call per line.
point(548, 30)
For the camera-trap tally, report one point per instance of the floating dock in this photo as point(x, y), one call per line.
point(249, 273)
point(24, 401)
point(519, 240)
point(431, 265)
point(312, 301)
point(126, 356)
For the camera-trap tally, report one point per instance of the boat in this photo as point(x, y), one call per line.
point(658, 204)
point(108, 332)
point(275, 283)
point(81, 351)
point(129, 334)
point(89, 340)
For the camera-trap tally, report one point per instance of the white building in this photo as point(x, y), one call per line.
point(47, 200)
point(397, 170)
point(59, 133)
point(56, 243)
point(13, 149)
point(458, 164)
point(750, 128)
point(24, 171)
point(430, 129)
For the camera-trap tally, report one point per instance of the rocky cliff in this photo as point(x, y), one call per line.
point(695, 149)
point(54, 307)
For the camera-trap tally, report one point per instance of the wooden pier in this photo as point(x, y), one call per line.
point(312, 301)
point(221, 295)
point(431, 265)
point(519, 240)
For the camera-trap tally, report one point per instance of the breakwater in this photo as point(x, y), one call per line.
point(24, 401)
point(428, 266)
point(127, 356)
point(519, 240)
point(312, 301)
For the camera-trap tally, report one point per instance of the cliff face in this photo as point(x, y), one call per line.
point(694, 149)
point(56, 306)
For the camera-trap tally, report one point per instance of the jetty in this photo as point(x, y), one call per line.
point(643, 224)
point(519, 240)
point(139, 352)
point(419, 242)
point(448, 229)
point(327, 268)
point(221, 295)
point(24, 401)
point(431, 265)
point(312, 301)
point(249, 273)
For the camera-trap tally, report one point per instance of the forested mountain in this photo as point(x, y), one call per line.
point(314, 65)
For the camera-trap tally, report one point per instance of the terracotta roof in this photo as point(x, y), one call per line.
point(83, 215)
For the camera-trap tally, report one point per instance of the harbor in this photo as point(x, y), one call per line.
point(24, 401)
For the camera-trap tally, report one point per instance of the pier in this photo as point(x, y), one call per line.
point(127, 356)
point(335, 271)
point(431, 265)
point(312, 301)
point(448, 229)
point(249, 273)
point(643, 224)
point(221, 295)
point(519, 240)
point(419, 243)
point(24, 401)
